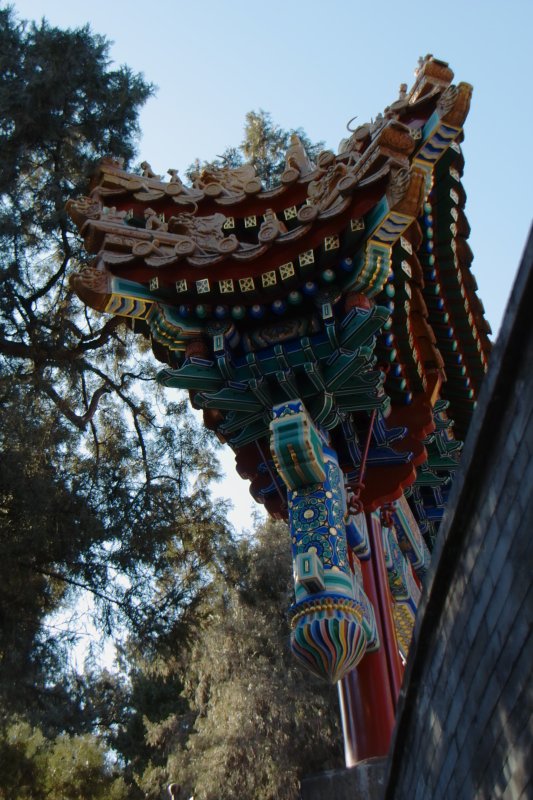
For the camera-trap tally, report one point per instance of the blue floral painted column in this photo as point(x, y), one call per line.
point(332, 620)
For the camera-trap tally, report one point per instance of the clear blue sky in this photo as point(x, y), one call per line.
point(315, 65)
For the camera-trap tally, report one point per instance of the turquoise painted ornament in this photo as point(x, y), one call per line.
point(238, 312)
point(332, 620)
point(296, 445)
point(294, 298)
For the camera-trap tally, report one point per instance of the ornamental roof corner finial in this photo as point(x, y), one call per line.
point(422, 60)
point(377, 123)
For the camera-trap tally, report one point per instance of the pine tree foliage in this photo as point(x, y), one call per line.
point(35, 767)
point(256, 724)
point(72, 523)
point(103, 481)
point(62, 107)
point(104, 490)
point(264, 146)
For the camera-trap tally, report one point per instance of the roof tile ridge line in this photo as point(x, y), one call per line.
point(505, 360)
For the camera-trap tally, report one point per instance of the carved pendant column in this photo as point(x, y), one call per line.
point(332, 620)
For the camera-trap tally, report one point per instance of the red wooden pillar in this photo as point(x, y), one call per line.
point(384, 603)
point(368, 694)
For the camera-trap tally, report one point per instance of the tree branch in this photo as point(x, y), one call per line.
point(79, 420)
point(71, 582)
point(103, 335)
point(16, 349)
point(59, 354)
point(50, 283)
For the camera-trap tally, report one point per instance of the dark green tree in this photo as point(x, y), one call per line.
point(102, 484)
point(255, 723)
point(35, 767)
point(62, 107)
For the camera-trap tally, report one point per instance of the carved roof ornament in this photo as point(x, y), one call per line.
point(271, 227)
point(206, 232)
point(431, 76)
point(113, 162)
point(454, 103)
point(174, 177)
point(84, 208)
point(297, 162)
point(227, 181)
point(154, 221)
point(148, 172)
point(323, 193)
point(93, 285)
point(399, 185)
point(395, 109)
